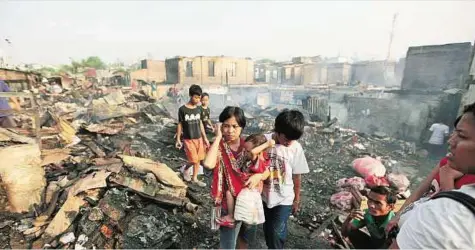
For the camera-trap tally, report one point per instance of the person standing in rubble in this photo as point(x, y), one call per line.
point(447, 219)
point(281, 192)
point(437, 147)
point(227, 176)
point(194, 135)
point(205, 113)
point(6, 120)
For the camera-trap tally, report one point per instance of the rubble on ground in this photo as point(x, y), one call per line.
point(108, 175)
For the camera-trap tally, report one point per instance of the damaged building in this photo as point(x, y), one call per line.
point(435, 78)
point(437, 67)
point(379, 73)
point(19, 80)
point(150, 70)
point(339, 73)
point(209, 70)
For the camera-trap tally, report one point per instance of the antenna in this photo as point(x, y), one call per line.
point(391, 36)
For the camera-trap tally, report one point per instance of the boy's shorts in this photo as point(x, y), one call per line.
point(195, 150)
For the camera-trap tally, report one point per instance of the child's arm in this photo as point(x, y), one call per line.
point(269, 144)
point(203, 134)
point(212, 155)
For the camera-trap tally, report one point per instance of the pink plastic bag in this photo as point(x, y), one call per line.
point(356, 182)
point(369, 166)
point(342, 200)
point(374, 181)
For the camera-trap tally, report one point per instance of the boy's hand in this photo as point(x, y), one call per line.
point(178, 144)
point(391, 224)
point(270, 143)
point(296, 207)
point(448, 171)
point(356, 214)
point(206, 141)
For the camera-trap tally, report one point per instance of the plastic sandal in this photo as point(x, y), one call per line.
point(225, 223)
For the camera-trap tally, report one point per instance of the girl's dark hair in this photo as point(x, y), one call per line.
point(231, 111)
point(256, 139)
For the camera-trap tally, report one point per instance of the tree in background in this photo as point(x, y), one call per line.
point(76, 66)
point(93, 62)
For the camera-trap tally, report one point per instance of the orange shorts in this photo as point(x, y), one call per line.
point(195, 150)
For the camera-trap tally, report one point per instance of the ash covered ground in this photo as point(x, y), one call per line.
point(120, 215)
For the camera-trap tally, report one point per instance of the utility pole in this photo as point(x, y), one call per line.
point(391, 36)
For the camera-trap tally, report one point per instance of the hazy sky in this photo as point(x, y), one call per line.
point(51, 32)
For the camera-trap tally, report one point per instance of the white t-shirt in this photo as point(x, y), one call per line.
point(439, 131)
point(285, 161)
point(439, 224)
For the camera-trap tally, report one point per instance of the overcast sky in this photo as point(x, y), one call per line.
point(52, 32)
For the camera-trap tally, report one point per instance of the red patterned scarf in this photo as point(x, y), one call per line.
point(227, 173)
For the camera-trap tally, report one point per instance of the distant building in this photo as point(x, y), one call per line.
point(437, 67)
point(400, 65)
point(150, 70)
point(267, 73)
point(338, 59)
point(210, 70)
point(292, 74)
point(314, 74)
point(339, 73)
point(306, 59)
point(380, 73)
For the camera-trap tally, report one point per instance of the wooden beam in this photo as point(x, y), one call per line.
point(23, 111)
point(16, 94)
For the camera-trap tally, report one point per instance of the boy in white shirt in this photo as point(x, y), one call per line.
point(281, 192)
